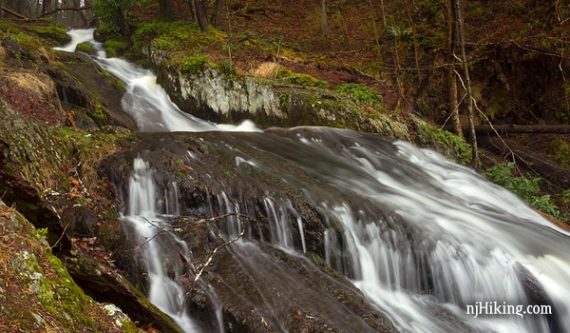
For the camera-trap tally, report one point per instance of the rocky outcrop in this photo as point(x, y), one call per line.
point(36, 291)
point(48, 174)
point(259, 286)
point(208, 93)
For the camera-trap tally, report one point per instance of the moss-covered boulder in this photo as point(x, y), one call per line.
point(86, 47)
point(36, 291)
point(91, 94)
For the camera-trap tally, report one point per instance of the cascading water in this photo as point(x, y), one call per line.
point(149, 228)
point(420, 236)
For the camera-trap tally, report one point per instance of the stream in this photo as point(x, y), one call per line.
point(422, 237)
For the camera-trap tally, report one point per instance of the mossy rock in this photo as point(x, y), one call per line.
point(86, 47)
point(41, 293)
point(445, 142)
point(35, 33)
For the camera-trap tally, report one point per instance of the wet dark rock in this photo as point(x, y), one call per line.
point(538, 296)
point(80, 221)
point(105, 284)
point(263, 288)
point(89, 91)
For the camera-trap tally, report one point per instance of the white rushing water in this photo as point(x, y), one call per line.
point(460, 239)
point(149, 227)
point(145, 100)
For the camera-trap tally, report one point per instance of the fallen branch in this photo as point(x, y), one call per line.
point(517, 129)
point(14, 13)
point(74, 9)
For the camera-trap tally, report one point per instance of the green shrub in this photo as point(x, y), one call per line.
point(526, 188)
point(361, 93)
point(226, 68)
point(301, 79)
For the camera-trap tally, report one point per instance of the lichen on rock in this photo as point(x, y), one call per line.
point(36, 290)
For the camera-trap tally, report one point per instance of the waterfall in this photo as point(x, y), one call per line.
point(150, 230)
point(421, 237)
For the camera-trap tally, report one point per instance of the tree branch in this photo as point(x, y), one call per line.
point(13, 13)
point(75, 9)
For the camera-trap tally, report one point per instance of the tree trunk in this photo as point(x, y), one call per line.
point(81, 12)
point(166, 10)
point(324, 19)
point(202, 14)
point(451, 79)
point(46, 7)
point(470, 112)
point(217, 13)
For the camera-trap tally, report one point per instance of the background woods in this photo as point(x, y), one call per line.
point(73, 13)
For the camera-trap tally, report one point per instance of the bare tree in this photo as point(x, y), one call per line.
point(451, 79)
point(217, 13)
point(460, 33)
point(324, 18)
point(201, 7)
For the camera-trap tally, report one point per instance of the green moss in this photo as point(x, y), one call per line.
point(128, 326)
point(71, 135)
point(194, 64)
point(115, 46)
point(361, 93)
point(49, 30)
point(171, 36)
point(40, 233)
point(301, 79)
point(446, 142)
point(34, 34)
point(86, 47)
point(113, 79)
point(98, 114)
point(23, 39)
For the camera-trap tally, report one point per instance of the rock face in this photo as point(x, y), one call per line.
point(210, 94)
point(37, 293)
point(258, 287)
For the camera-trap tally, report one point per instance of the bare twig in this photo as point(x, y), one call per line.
point(216, 249)
point(60, 237)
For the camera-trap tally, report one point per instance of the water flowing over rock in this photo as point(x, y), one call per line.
point(330, 230)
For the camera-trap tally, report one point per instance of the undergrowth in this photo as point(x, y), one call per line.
point(361, 93)
point(301, 79)
point(527, 188)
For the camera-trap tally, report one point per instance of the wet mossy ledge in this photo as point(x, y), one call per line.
point(208, 86)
